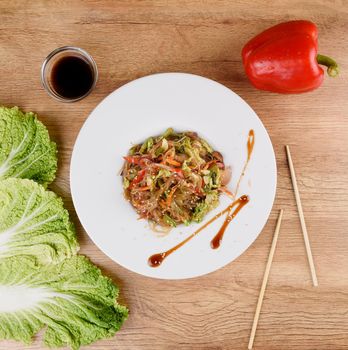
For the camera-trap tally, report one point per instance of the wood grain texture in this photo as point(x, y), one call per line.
point(130, 39)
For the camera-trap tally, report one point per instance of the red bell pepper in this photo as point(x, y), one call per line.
point(139, 177)
point(137, 160)
point(284, 58)
point(132, 159)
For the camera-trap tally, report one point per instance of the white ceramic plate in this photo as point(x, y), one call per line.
point(146, 107)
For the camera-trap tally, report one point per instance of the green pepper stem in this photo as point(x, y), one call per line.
point(331, 64)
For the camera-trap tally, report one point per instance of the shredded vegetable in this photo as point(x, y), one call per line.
point(174, 178)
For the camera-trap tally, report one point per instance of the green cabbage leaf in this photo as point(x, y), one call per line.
point(34, 222)
point(75, 302)
point(26, 150)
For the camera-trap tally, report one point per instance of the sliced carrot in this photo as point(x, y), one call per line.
point(145, 188)
point(170, 196)
point(172, 161)
point(162, 203)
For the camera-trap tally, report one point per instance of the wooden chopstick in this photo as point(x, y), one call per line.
point(265, 279)
point(302, 219)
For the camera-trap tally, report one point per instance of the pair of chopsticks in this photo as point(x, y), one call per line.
point(274, 244)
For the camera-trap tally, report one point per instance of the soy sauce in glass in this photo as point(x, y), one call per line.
point(72, 77)
point(69, 74)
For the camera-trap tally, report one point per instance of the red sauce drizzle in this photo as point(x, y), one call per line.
point(216, 241)
point(157, 259)
point(251, 143)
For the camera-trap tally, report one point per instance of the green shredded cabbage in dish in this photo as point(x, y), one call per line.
point(174, 178)
point(26, 150)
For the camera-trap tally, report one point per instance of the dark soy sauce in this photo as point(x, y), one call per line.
point(72, 77)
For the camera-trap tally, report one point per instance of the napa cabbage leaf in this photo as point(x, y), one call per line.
point(26, 150)
point(73, 301)
point(34, 222)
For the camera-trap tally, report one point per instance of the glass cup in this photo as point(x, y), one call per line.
point(54, 59)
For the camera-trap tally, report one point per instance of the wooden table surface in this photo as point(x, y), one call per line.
point(130, 39)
